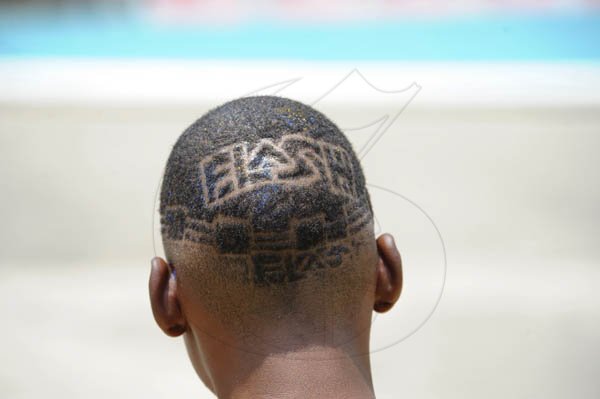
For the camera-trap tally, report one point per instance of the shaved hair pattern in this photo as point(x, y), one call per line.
point(269, 183)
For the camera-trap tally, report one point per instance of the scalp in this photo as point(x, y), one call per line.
point(265, 196)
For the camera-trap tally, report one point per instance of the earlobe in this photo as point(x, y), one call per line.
point(163, 298)
point(388, 274)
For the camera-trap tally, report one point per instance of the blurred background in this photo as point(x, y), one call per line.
point(478, 124)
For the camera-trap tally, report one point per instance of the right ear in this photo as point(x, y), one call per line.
point(389, 274)
point(163, 298)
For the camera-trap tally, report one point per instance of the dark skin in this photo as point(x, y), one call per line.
point(321, 371)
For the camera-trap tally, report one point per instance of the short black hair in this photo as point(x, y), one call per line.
point(270, 180)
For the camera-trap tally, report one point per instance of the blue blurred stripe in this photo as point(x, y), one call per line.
point(493, 38)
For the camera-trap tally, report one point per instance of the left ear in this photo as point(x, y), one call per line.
point(164, 301)
point(389, 274)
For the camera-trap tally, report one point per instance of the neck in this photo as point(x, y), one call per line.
point(283, 361)
point(319, 372)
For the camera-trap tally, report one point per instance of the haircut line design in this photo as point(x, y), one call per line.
point(267, 183)
point(243, 167)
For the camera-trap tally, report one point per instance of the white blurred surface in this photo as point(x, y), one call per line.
point(122, 82)
point(512, 188)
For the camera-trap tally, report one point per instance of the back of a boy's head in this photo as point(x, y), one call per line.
point(265, 215)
